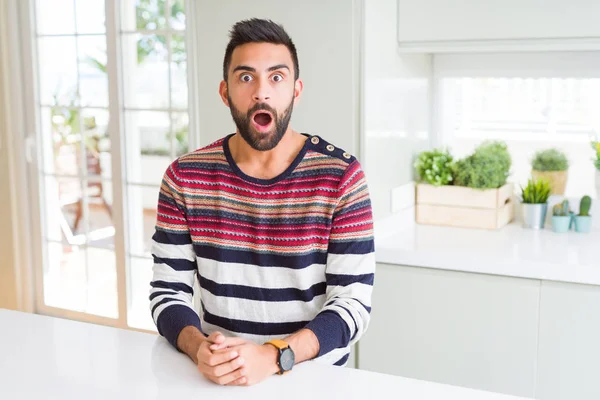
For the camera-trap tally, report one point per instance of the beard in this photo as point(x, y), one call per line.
point(261, 141)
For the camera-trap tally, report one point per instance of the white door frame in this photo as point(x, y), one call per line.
point(13, 117)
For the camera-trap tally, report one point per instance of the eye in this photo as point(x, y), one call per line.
point(245, 77)
point(277, 78)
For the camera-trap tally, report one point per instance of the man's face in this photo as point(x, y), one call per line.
point(260, 92)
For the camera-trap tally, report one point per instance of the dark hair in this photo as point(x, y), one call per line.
point(258, 31)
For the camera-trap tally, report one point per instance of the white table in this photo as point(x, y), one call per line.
point(50, 358)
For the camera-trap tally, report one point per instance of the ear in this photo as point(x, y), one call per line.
point(298, 87)
point(223, 93)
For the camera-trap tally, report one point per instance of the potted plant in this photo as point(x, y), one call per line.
point(487, 168)
point(534, 199)
point(583, 220)
point(470, 193)
point(561, 217)
point(551, 165)
point(434, 167)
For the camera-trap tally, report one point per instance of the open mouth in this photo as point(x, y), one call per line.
point(262, 118)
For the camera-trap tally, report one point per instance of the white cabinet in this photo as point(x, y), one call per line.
point(511, 23)
point(458, 328)
point(569, 344)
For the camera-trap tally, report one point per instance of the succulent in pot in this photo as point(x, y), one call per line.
point(561, 217)
point(583, 220)
point(534, 201)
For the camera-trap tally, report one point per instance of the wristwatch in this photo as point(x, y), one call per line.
point(286, 357)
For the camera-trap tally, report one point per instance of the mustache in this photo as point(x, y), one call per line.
point(262, 107)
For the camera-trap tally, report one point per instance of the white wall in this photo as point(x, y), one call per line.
point(396, 105)
point(326, 34)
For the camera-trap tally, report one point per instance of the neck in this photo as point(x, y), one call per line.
point(270, 163)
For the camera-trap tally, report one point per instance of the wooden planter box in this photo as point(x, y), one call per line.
point(464, 207)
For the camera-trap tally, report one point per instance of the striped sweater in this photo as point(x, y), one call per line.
point(271, 256)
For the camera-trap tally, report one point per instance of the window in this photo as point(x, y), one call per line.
point(532, 102)
point(80, 266)
point(79, 176)
point(155, 125)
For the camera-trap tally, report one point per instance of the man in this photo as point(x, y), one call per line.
point(276, 226)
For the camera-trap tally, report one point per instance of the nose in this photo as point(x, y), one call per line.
point(262, 92)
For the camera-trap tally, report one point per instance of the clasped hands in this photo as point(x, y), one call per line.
point(234, 361)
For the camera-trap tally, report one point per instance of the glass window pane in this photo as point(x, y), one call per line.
point(93, 79)
point(55, 17)
point(143, 14)
point(145, 71)
point(80, 279)
point(63, 210)
point(142, 203)
point(65, 277)
point(177, 17)
point(74, 221)
point(179, 86)
point(91, 16)
point(102, 298)
point(140, 275)
point(58, 70)
point(97, 142)
point(100, 228)
point(180, 133)
point(61, 140)
point(148, 146)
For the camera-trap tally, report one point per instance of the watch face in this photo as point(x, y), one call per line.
point(287, 359)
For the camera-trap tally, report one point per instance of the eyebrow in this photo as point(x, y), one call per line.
point(270, 69)
point(278, 66)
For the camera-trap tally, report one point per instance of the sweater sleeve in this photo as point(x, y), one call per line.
point(350, 267)
point(171, 288)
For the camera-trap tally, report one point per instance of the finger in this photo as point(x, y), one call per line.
point(212, 360)
point(203, 353)
point(226, 368)
point(216, 337)
point(228, 342)
point(232, 377)
point(239, 382)
point(220, 346)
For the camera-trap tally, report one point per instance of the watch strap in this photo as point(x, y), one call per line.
point(280, 345)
